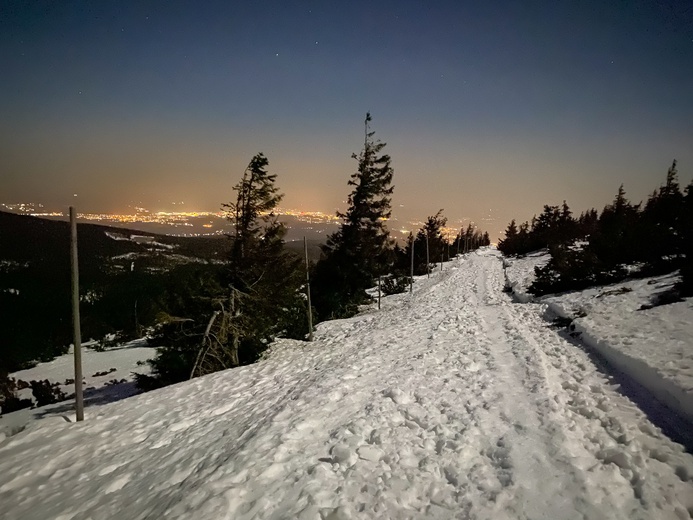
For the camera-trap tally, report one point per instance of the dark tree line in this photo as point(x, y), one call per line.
point(432, 246)
point(625, 239)
point(555, 225)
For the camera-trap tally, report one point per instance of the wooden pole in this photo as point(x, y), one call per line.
point(379, 278)
point(428, 260)
point(310, 310)
point(79, 395)
point(411, 273)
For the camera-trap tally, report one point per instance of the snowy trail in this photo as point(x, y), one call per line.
point(454, 404)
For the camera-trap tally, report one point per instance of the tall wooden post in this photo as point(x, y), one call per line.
point(310, 310)
point(79, 395)
point(379, 281)
point(411, 273)
point(428, 260)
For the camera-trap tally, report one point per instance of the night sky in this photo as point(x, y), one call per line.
point(485, 105)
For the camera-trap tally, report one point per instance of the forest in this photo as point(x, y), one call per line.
point(624, 240)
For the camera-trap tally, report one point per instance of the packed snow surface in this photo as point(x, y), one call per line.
point(653, 345)
point(453, 403)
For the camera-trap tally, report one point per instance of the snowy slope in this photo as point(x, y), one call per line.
point(455, 403)
point(612, 320)
point(520, 272)
point(98, 389)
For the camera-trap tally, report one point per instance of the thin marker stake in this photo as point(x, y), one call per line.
point(79, 396)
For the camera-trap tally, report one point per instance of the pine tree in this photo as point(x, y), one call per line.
point(509, 245)
point(361, 250)
point(616, 240)
point(231, 317)
point(252, 214)
point(662, 223)
point(431, 232)
point(263, 278)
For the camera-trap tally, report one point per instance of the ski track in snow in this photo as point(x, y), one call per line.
point(454, 404)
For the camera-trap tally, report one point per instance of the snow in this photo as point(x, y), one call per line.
point(117, 236)
point(453, 403)
point(612, 320)
point(519, 272)
point(97, 389)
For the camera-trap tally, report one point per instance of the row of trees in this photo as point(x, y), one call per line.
point(231, 318)
point(555, 225)
point(432, 245)
point(624, 239)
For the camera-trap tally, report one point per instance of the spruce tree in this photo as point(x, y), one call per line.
point(616, 240)
point(662, 223)
point(263, 278)
point(431, 231)
point(509, 245)
point(232, 315)
point(361, 250)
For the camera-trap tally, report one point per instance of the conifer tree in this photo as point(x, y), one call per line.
point(232, 316)
point(431, 231)
point(263, 278)
point(662, 222)
point(361, 250)
point(616, 239)
point(509, 245)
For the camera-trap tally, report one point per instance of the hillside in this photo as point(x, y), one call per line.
point(127, 278)
point(451, 403)
point(32, 239)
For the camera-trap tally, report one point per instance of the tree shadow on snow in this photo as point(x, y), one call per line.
point(92, 396)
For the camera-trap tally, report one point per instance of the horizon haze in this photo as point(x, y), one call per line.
point(488, 110)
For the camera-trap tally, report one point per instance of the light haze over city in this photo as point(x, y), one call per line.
point(489, 110)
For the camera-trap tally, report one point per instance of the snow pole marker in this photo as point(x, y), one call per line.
point(428, 260)
point(310, 310)
point(79, 395)
point(411, 274)
point(379, 281)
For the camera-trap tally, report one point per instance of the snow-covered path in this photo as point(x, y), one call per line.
point(455, 403)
